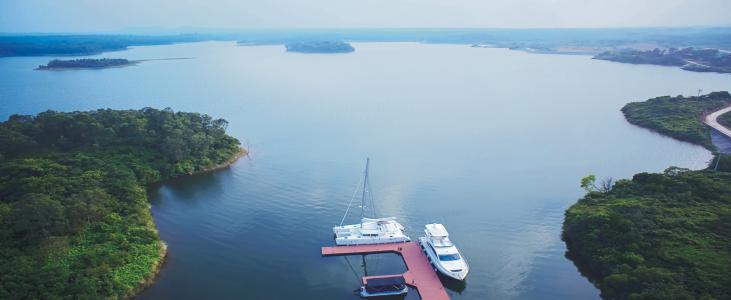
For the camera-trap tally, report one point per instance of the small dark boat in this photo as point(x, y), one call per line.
point(378, 286)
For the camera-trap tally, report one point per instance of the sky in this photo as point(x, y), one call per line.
point(129, 15)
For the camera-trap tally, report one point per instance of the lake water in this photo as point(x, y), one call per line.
point(490, 142)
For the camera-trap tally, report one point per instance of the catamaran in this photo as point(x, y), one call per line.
point(442, 254)
point(369, 230)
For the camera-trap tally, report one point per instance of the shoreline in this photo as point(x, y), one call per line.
point(242, 152)
point(163, 252)
point(129, 64)
point(584, 261)
point(155, 272)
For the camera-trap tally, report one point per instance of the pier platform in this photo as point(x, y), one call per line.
point(420, 274)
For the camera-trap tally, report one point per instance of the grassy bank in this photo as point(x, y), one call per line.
point(73, 206)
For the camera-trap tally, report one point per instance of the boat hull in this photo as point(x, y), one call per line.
point(365, 294)
point(365, 241)
point(434, 261)
point(369, 232)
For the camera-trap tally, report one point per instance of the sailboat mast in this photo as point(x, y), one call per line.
point(365, 189)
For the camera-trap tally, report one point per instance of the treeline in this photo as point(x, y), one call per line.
point(657, 236)
point(37, 45)
point(74, 216)
point(691, 59)
point(678, 117)
point(91, 63)
point(319, 47)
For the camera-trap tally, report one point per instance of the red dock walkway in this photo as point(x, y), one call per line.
point(420, 274)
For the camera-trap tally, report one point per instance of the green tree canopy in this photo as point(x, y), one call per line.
point(74, 216)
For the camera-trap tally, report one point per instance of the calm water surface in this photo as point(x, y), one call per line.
point(490, 142)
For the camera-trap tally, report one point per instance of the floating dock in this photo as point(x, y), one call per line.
point(420, 274)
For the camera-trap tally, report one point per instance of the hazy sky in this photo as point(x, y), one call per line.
point(114, 15)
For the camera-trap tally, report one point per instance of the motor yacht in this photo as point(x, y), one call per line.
point(442, 253)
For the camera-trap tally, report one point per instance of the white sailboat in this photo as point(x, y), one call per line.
point(369, 230)
point(442, 254)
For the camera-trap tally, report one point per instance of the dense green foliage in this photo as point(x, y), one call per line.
point(89, 63)
point(678, 117)
point(657, 236)
point(74, 216)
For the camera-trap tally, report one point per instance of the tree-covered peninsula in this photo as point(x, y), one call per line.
point(659, 236)
point(74, 215)
point(678, 117)
point(86, 63)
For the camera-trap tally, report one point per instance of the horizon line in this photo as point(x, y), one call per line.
point(213, 30)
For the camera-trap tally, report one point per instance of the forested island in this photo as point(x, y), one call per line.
point(86, 63)
point(659, 236)
point(319, 47)
point(74, 214)
point(690, 59)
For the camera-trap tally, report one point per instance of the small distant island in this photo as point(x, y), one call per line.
point(690, 59)
point(75, 217)
point(86, 63)
point(319, 47)
point(659, 236)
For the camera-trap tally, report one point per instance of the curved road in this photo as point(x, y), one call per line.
point(712, 120)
